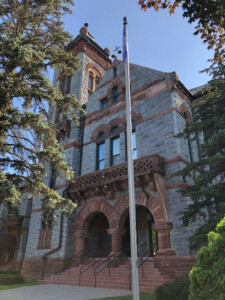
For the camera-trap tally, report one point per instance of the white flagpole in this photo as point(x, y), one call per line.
point(132, 207)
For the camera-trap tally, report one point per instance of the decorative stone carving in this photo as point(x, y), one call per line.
point(142, 166)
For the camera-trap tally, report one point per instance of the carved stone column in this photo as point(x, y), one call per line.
point(163, 230)
point(116, 234)
point(79, 240)
point(160, 185)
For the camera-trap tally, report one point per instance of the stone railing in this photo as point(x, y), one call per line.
point(142, 166)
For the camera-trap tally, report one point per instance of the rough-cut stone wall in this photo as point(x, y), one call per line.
point(160, 110)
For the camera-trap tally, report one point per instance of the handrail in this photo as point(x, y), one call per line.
point(140, 262)
point(108, 262)
point(91, 262)
point(70, 261)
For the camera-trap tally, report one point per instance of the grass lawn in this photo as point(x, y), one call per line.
point(13, 286)
point(143, 296)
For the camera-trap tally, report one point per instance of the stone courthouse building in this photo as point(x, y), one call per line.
point(92, 247)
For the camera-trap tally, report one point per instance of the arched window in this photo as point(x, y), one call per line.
point(115, 94)
point(115, 146)
point(91, 82)
point(189, 141)
point(65, 86)
point(100, 162)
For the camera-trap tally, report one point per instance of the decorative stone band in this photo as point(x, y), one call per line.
point(147, 165)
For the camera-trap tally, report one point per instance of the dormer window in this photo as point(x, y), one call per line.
point(65, 85)
point(115, 94)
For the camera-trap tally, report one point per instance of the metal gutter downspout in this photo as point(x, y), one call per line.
point(82, 122)
point(44, 257)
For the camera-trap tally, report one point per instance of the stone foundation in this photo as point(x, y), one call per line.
point(31, 268)
point(178, 267)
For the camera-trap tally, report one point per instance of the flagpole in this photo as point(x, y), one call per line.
point(132, 207)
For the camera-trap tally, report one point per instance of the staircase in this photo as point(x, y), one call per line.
point(119, 278)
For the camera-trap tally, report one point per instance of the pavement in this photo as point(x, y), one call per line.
point(59, 292)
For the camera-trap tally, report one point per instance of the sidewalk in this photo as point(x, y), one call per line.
point(59, 292)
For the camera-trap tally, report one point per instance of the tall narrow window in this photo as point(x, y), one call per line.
point(115, 94)
point(91, 82)
point(134, 145)
point(63, 86)
point(115, 146)
point(114, 72)
point(52, 178)
point(100, 151)
point(66, 85)
point(189, 141)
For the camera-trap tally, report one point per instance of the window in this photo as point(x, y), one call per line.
point(189, 142)
point(133, 141)
point(100, 151)
point(91, 82)
point(115, 146)
point(52, 178)
point(114, 72)
point(115, 94)
point(134, 144)
point(45, 234)
point(97, 80)
point(104, 103)
point(66, 85)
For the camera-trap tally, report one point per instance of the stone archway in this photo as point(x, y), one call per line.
point(84, 217)
point(161, 224)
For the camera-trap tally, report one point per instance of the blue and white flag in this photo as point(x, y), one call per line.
point(125, 45)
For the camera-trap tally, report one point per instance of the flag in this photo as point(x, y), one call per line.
point(125, 45)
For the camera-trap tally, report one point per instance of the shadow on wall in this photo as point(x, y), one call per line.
point(8, 244)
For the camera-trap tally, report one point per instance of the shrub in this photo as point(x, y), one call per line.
point(12, 272)
point(175, 290)
point(208, 274)
point(7, 279)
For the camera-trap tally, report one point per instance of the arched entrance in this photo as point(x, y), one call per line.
point(146, 236)
point(98, 242)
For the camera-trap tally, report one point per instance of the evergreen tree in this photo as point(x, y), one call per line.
point(32, 40)
point(208, 189)
point(207, 276)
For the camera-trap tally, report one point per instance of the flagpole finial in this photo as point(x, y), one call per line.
point(124, 20)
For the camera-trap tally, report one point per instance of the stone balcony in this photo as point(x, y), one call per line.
point(112, 179)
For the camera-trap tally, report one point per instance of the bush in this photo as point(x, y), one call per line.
point(7, 279)
point(12, 272)
point(207, 277)
point(175, 290)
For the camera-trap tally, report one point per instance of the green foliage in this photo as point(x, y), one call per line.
point(207, 15)
point(207, 174)
point(7, 279)
point(11, 272)
point(32, 40)
point(208, 276)
point(175, 290)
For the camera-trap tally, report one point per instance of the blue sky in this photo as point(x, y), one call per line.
point(156, 39)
